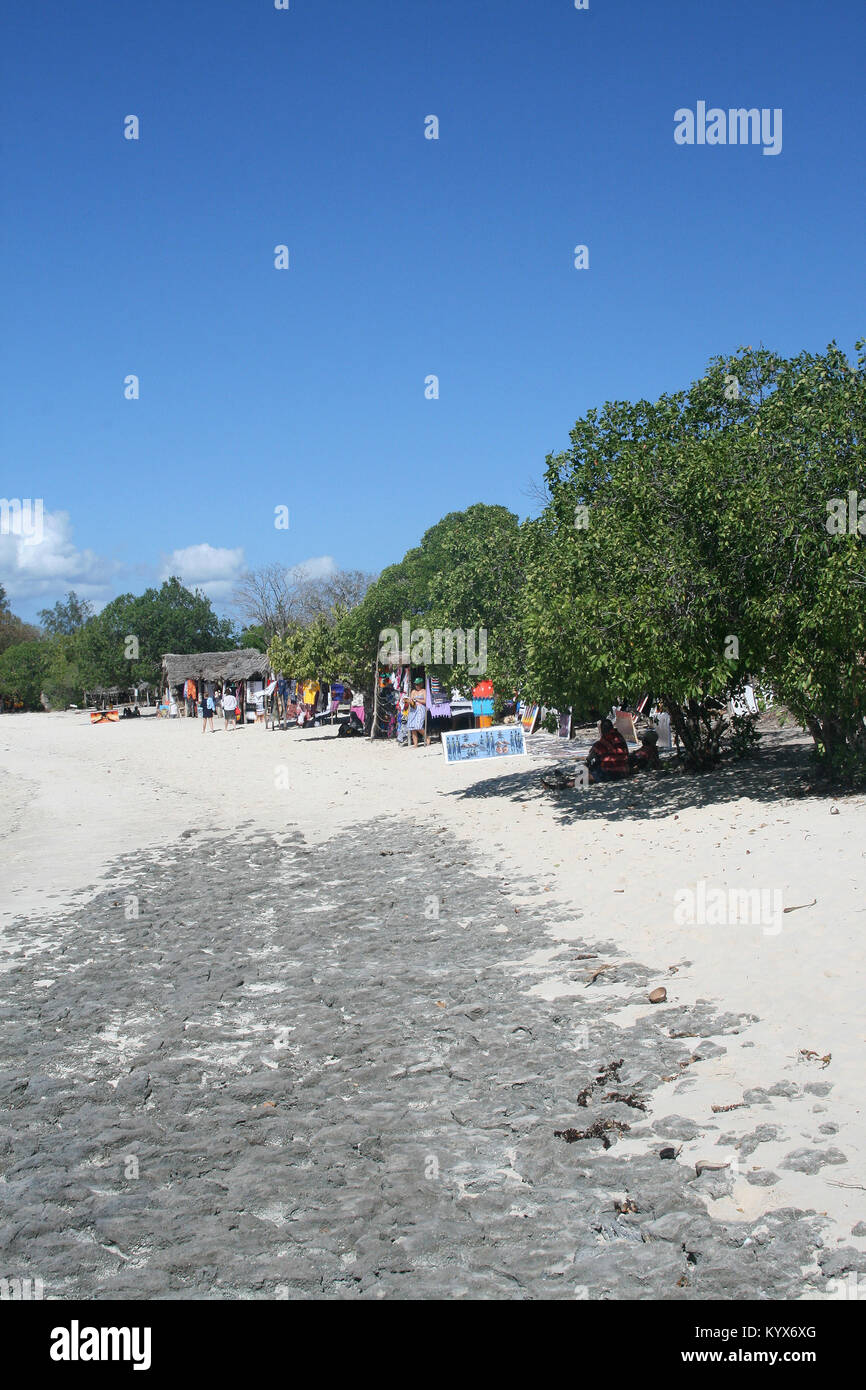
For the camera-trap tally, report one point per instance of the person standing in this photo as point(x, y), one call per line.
point(418, 713)
point(230, 705)
point(207, 708)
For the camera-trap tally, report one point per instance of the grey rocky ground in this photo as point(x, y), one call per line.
point(288, 1077)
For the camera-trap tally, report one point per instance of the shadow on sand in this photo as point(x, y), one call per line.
point(780, 772)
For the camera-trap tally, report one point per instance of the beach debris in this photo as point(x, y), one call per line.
point(601, 1129)
point(668, 1152)
point(440, 1004)
point(599, 970)
point(634, 1100)
point(605, 1076)
point(609, 1073)
point(723, 1109)
point(557, 779)
point(706, 1165)
point(809, 1056)
point(626, 1205)
point(798, 906)
point(834, 810)
point(658, 996)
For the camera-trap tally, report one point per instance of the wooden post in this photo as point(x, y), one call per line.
point(375, 725)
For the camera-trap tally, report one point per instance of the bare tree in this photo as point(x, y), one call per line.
point(277, 599)
point(267, 597)
point(318, 597)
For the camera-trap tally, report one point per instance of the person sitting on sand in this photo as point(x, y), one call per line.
point(647, 756)
point(607, 759)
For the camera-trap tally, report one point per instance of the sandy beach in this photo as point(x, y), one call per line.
point(337, 998)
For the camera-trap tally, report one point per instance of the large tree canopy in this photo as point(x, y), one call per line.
point(125, 643)
point(465, 575)
point(686, 546)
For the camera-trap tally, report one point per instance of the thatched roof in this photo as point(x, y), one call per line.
point(214, 666)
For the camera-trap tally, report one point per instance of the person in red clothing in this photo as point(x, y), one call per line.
point(647, 756)
point(607, 759)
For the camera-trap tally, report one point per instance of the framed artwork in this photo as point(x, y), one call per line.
point(530, 717)
point(625, 723)
point(472, 745)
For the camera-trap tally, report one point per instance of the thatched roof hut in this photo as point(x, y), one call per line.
point(246, 664)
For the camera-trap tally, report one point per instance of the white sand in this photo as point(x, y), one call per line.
point(75, 796)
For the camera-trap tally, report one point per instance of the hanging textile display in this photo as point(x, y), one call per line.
point(438, 702)
point(386, 708)
point(482, 704)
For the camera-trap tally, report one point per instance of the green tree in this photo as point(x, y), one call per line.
point(63, 684)
point(685, 547)
point(23, 668)
point(12, 628)
point(466, 574)
point(168, 619)
point(287, 654)
point(65, 618)
point(254, 636)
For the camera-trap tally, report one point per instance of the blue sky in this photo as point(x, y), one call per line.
point(408, 257)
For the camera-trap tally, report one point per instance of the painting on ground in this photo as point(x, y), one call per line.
point(529, 717)
point(468, 745)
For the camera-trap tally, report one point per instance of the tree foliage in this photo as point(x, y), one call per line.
point(23, 668)
point(685, 548)
point(168, 619)
point(466, 574)
point(13, 629)
point(65, 618)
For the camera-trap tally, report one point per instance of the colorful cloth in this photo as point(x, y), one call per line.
point(437, 699)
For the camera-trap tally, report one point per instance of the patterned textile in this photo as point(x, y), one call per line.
point(437, 699)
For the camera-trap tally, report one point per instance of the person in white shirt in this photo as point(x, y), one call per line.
point(230, 704)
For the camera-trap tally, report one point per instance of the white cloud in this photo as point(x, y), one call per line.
point(319, 567)
point(34, 568)
point(213, 569)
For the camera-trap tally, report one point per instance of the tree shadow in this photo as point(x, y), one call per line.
point(781, 771)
